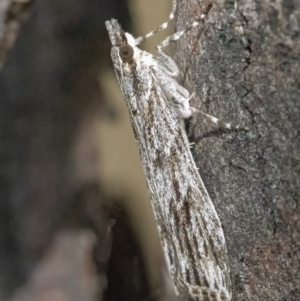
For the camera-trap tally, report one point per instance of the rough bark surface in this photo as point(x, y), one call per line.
point(244, 68)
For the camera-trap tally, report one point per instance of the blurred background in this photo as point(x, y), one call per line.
point(75, 218)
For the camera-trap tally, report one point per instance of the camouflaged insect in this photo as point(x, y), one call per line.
point(190, 230)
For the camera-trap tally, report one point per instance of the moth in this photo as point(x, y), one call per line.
point(190, 231)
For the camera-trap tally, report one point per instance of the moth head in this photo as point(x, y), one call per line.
point(126, 53)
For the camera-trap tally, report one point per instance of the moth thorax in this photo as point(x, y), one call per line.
point(126, 53)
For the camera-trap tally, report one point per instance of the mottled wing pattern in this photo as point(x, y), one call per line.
point(188, 225)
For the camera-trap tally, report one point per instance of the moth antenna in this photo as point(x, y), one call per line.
point(177, 35)
point(163, 26)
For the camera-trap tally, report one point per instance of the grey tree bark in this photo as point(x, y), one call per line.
point(244, 68)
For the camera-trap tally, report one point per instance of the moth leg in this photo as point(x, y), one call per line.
point(182, 107)
point(167, 64)
point(182, 111)
point(219, 122)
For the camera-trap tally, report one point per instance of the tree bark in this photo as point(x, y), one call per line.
point(243, 64)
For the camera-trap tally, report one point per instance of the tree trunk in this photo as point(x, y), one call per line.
point(243, 64)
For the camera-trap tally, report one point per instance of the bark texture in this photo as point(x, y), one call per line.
point(244, 67)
